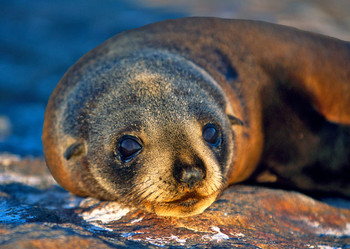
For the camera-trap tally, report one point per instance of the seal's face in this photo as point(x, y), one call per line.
point(169, 165)
point(153, 138)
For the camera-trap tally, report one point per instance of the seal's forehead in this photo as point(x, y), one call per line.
point(149, 100)
point(155, 93)
point(146, 85)
point(142, 71)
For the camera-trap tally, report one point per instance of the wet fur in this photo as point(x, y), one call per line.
point(165, 81)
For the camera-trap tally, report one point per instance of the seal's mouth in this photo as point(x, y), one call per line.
point(187, 205)
point(187, 200)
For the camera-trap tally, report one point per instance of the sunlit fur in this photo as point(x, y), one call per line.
point(279, 98)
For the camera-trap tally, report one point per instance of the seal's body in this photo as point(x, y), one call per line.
point(167, 116)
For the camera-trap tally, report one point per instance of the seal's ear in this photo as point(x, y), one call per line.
point(234, 120)
point(314, 65)
point(75, 150)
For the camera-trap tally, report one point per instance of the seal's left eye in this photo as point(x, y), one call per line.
point(211, 135)
point(128, 148)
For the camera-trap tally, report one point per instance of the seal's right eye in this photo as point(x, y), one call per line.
point(128, 148)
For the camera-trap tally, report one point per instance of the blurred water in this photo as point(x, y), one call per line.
point(39, 41)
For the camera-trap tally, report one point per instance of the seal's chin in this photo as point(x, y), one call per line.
point(188, 205)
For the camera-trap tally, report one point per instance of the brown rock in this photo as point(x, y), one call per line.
point(37, 213)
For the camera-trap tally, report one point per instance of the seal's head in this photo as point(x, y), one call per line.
point(149, 130)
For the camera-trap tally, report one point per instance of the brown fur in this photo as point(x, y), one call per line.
point(290, 88)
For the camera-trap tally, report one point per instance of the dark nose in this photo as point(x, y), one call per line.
point(189, 174)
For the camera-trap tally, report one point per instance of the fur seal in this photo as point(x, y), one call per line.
point(166, 116)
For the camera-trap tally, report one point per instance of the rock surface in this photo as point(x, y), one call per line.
point(36, 213)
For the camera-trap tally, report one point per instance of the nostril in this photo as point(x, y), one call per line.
point(190, 176)
point(189, 173)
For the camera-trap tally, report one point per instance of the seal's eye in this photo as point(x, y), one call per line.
point(211, 135)
point(128, 148)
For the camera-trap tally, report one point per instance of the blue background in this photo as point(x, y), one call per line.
point(39, 41)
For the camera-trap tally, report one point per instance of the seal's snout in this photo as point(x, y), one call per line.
point(189, 174)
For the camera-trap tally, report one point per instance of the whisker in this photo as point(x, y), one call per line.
point(141, 200)
point(136, 193)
